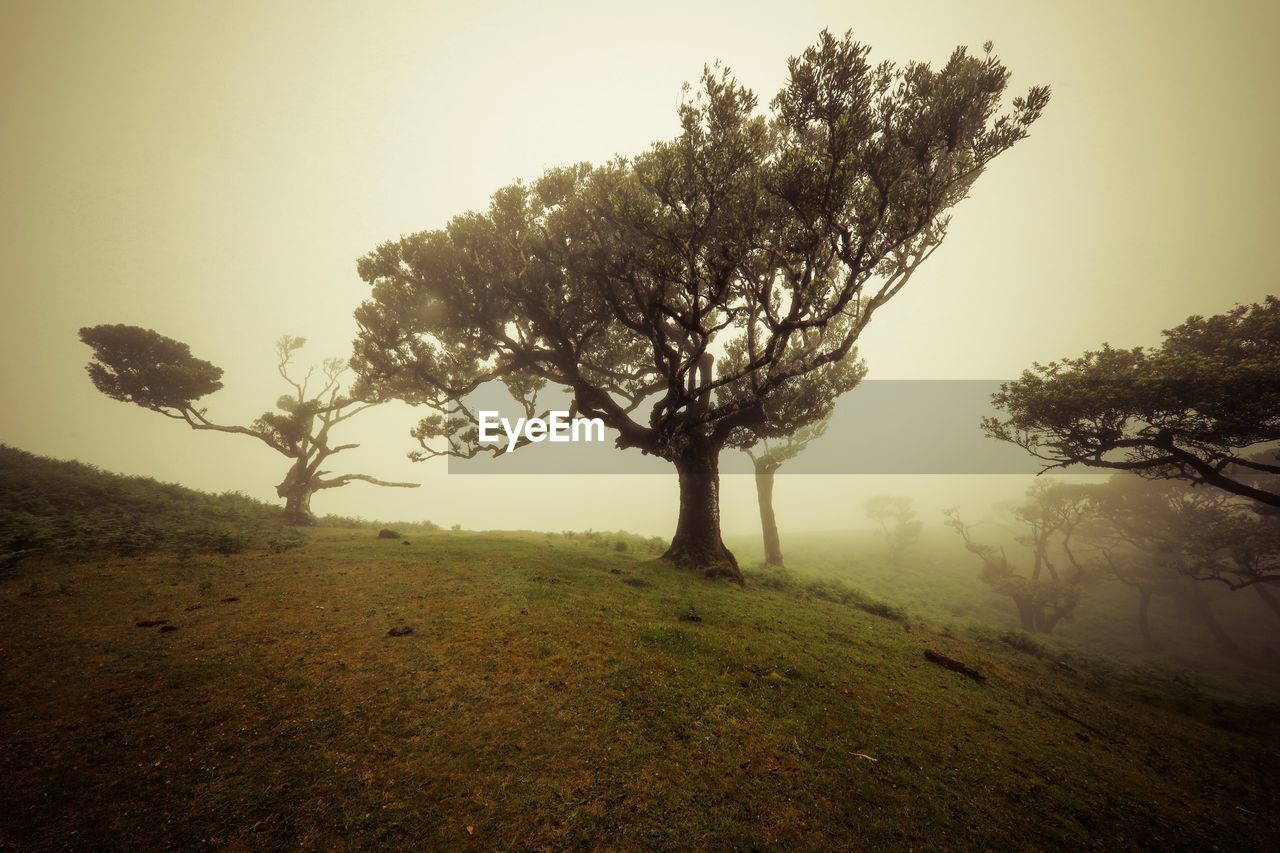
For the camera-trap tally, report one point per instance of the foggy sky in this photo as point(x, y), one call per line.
point(213, 171)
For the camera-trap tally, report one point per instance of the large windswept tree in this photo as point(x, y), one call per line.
point(1203, 407)
point(143, 367)
point(764, 241)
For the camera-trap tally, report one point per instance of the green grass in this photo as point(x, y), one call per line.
point(551, 695)
point(567, 690)
point(53, 505)
point(938, 581)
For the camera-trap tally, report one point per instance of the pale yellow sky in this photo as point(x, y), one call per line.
point(213, 170)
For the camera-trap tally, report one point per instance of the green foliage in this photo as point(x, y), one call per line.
point(768, 455)
point(775, 235)
point(826, 589)
point(542, 702)
point(331, 520)
point(1157, 531)
point(1203, 407)
point(620, 541)
point(141, 366)
point(1023, 642)
point(772, 577)
point(829, 590)
point(50, 505)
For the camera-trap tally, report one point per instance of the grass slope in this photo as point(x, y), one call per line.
point(551, 695)
point(51, 505)
point(939, 582)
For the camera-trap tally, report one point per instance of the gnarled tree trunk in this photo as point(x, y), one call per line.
point(297, 509)
point(1027, 615)
point(697, 540)
point(296, 489)
point(768, 522)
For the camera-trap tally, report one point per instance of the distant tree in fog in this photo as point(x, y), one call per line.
point(141, 366)
point(771, 238)
point(1050, 516)
point(767, 457)
point(897, 520)
point(1203, 407)
point(1170, 539)
point(795, 416)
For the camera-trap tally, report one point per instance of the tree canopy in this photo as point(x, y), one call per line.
point(143, 367)
point(714, 284)
point(1169, 528)
point(1204, 406)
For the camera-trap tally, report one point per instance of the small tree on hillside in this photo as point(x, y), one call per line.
point(771, 239)
point(897, 520)
point(793, 420)
point(143, 367)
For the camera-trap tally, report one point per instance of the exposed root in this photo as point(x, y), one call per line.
point(720, 564)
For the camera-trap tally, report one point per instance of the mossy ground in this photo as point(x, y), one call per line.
point(554, 694)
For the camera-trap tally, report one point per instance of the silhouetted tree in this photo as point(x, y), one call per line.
point(771, 239)
point(1051, 514)
point(897, 520)
point(143, 367)
point(1203, 407)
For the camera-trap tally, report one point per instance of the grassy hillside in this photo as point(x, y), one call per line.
point(938, 581)
point(180, 669)
point(51, 505)
point(553, 693)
